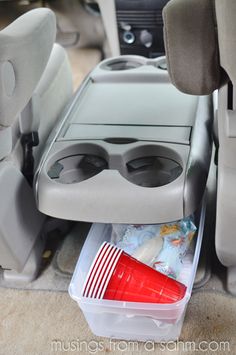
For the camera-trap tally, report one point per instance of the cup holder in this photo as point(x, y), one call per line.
point(132, 62)
point(120, 64)
point(160, 63)
point(144, 165)
point(152, 171)
point(152, 165)
point(162, 66)
point(77, 168)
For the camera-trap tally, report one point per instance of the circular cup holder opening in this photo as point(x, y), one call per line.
point(121, 64)
point(152, 171)
point(162, 66)
point(77, 168)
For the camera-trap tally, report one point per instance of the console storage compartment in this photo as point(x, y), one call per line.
point(131, 320)
point(130, 149)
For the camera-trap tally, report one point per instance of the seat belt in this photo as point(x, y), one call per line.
point(29, 139)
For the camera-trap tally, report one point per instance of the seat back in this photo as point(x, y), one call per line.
point(25, 48)
point(201, 53)
point(49, 99)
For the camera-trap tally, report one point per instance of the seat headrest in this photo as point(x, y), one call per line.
point(192, 45)
point(25, 47)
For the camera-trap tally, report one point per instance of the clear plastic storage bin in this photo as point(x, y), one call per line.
point(129, 320)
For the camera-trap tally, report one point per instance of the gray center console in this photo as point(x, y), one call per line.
point(130, 149)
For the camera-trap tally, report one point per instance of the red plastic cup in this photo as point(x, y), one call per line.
point(115, 275)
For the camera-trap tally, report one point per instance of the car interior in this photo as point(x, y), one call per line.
point(117, 176)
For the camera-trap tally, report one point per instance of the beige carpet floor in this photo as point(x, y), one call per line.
point(31, 321)
point(82, 61)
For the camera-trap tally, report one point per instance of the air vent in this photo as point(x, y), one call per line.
point(140, 18)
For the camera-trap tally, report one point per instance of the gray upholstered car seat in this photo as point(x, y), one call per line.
point(201, 52)
point(35, 85)
point(49, 99)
